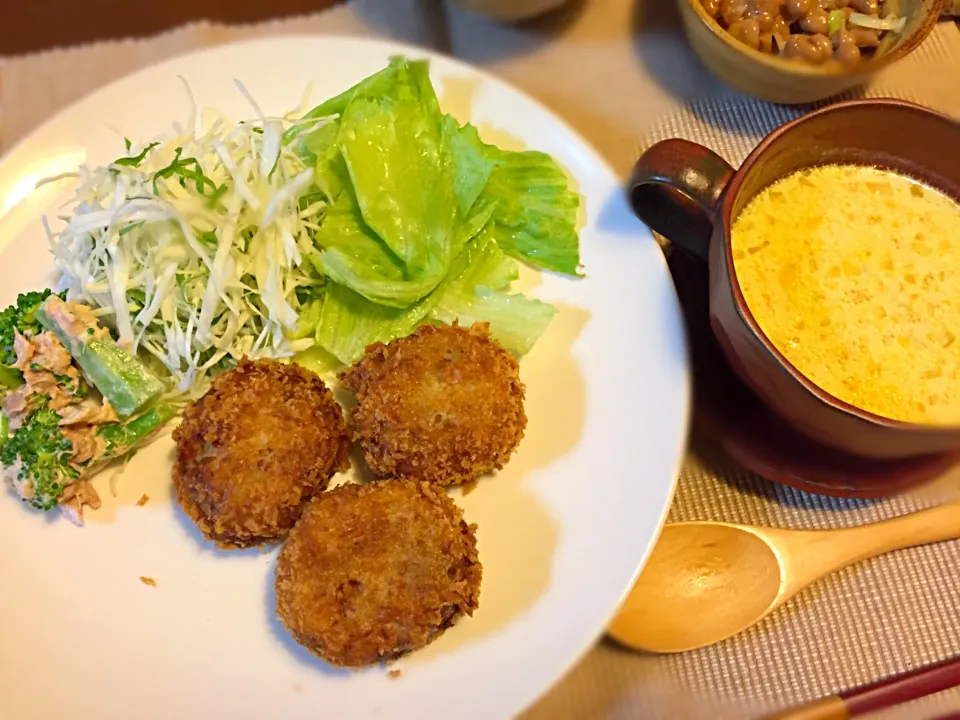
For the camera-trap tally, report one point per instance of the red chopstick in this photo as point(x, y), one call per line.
point(879, 695)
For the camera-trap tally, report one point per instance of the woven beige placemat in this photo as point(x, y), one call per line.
point(620, 72)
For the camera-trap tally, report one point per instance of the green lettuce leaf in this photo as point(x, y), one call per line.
point(476, 295)
point(472, 163)
point(426, 222)
point(318, 360)
point(376, 84)
point(475, 223)
point(472, 292)
point(320, 149)
point(349, 322)
point(353, 255)
point(401, 171)
point(343, 232)
point(536, 217)
point(307, 320)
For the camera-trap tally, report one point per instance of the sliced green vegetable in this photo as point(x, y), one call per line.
point(836, 21)
point(118, 375)
point(120, 438)
point(131, 227)
point(318, 360)
point(10, 377)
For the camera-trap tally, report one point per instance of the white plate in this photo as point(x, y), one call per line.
point(563, 530)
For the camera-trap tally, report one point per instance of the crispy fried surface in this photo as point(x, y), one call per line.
point(374, 571)
point(251, 452)
point(443, 405)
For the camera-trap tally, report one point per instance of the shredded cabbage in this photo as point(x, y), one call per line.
point(193, 247)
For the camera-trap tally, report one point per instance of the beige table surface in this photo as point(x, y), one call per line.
point(621, 74)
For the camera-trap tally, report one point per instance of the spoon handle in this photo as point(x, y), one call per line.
point(812, 555)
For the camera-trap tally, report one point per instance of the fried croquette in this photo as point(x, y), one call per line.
point(444, 404)
point(372, 572)
point(255, 449)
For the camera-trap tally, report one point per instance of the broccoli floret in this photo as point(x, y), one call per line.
point(44, 455)
point(20, 317)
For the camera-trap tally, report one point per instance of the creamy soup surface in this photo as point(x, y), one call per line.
point(853, 273)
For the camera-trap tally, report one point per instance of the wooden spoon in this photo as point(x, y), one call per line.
point(707, 581)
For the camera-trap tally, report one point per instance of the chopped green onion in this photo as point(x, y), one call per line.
point(189, 169)
point(130, 227)
point(136, 159)
point(836, 22)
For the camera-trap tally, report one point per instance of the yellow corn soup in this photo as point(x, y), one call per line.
point(853, 273)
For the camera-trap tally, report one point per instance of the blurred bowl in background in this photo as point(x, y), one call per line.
point(770, 77)
point(510, 10)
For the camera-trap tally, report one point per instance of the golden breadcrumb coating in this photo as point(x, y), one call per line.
point(371, 572)
point(443, 405)
point(255, 448)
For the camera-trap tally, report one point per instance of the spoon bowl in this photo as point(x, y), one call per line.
point(708, 581)
point(724, 576)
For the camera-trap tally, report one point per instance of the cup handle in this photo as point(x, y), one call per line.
point(675, 189)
